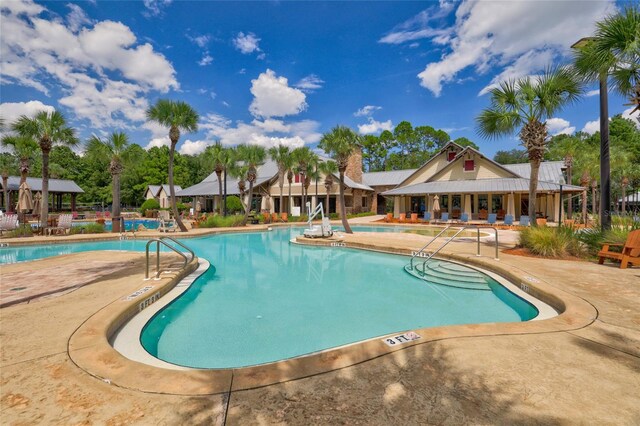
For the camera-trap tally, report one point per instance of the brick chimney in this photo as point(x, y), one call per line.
point(354, 167)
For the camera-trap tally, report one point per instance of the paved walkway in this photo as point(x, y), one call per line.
point(589, 376)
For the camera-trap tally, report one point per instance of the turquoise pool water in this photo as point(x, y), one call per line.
point(128, 224)
point(265, 299)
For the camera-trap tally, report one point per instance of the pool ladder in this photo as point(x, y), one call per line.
point(420, 252)
point(163, 241)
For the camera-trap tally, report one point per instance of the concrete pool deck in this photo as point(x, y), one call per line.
point(590, 374)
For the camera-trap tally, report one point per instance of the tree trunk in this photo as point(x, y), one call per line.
point(115, 205)
point(172, 190)
point(594, 205)
point(220, 207)
point(326, 207)
point(624, 194)
point(281, 184)
point(249, 202)
point(289, 200)
point(343, 209)
point(533, 189)
point(5, 192)
point(44, 210)
point(584, 207)
point(569, 201)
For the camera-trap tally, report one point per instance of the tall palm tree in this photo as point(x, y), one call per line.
point(7, 165)
point(282, 156)
point(303, 157)
point(221, 158)
point(526, 104)
point(327, 168)
point(290, 181)
point(25, 148)
point(340, 143)
point(239, 171)
point(253, 156)
point(48, 128)
point(176, 115)
point(114, 146)
point(584, 182)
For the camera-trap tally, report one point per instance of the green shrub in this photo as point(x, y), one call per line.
point(552, 242)
point(20, 231)
point(150, 204)
point(182, 207)
point(233, 204)
point(89, 228)
point(302, 218)
point(361, 214)
point(218, 221)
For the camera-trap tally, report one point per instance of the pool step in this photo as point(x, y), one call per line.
point(449, 274)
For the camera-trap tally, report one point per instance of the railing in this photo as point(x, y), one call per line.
point(162, 241)
point(424, 264)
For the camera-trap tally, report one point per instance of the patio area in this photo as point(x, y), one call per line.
point(530, 378)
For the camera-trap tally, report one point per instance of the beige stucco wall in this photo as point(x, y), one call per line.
point(483, 170)
point(423, 174)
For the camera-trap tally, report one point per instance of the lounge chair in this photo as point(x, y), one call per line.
point(8, 222)
point(524, 220)
point(491, 219)
point(482, 214)
point(414, 217)
point(455, 214)
point(464, 217)
point(63, 226)
point(500, 214)
point(444, 217)
point(508, 220)
point(630, 253)
point(427, 216)
point(402, 218)
point(168, 225)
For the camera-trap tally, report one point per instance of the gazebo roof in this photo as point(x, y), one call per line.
point(63, 186)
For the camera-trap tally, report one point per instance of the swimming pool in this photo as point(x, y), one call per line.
point(129, 224)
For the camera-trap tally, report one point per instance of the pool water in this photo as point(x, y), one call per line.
point(264, 299)
point(129, 224)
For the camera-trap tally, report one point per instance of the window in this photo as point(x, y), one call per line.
point(364, 201)
point(296, 178)
point(451, 155)
point(469, 165)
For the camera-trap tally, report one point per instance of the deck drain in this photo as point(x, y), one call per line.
point(17, 289)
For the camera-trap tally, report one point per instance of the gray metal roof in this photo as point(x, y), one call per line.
point(501, 185)
point(155, 189)
point(391, 177)
point(353, 184)
point(550, 171)
point(55, 185)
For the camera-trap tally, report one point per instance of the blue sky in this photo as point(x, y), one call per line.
point(285, 72)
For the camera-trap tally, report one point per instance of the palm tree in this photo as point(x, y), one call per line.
point(25, 148)
point(584, 182)
point(282, 156)
point(7, 165)
point(290, 180)
point(253, 156)
point(239, 171)
point(303, 157)
point(221, 158)
point(340, 143)
point(327, 168)
point(177, 116)
point(114, 146)
point(526, 104)
point(48, 128)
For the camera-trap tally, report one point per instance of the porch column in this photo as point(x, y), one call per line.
point(428, 203)
point(449, 202)
point(314, 202)
point(396, 206)
point(476, 203)
point(489, 203)
point(73, 202)
point(556, 207)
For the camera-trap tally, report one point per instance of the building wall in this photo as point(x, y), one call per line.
point(434, 166)
point(354, 166)
point(483, 170)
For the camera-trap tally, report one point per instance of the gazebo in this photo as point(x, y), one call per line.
point(57, 188)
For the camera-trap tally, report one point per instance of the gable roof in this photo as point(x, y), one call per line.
point(461, 154)
point(386, 178)
point(480, 186)
point(550, 171)
point(155, 189)
point(430, 160)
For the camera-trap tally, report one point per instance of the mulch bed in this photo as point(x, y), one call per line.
point(520, 251)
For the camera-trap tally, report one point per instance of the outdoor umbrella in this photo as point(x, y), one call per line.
point(37, 203)
point(436, 205)
point(467, 204)
point(511, 210)
point(25, 201)
point(198, 205)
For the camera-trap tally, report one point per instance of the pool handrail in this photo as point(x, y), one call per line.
point(159, 241)
point(427, 245)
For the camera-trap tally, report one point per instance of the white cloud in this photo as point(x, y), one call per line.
point(530, 62)
point(77, 18)
point(193, 147)
point(310, 83)
point(480, 39)
point(419, 26)
point(593, 92)
point(374, 126)
point(155, 7)
point(635, 117)
point(206, 59)
point(366, 111)
point(201, 40)
point(11, 111)
point(103, 73)
point(591, 127)
point(26, 7)
point(157, 130)
point(274, 98)
point(246, 43)
point(158, 142)
point(559, 126)
point(266, 133)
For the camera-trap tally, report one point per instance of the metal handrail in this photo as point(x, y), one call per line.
point(159, 241)
point(426, 245)
point(424, 264)
point(193, 255)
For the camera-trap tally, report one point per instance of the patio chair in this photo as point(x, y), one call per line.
point(63, 226)
point(427, 216)
point(8, 222)
point(414, 217)
point(524, 220)
point(402, 218)
point(444, 217)
point(508, 220)
point(455, 214)
point(482, 214)
point(500, 214)
point(491, 219)
point(464, 218)
point(630, 253)
point(168, 225)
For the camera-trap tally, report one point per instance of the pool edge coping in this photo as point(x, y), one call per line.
point(90, 350)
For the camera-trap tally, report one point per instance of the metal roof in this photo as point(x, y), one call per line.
point(550, 171)
point(155, 189)
point(55, 185)
point(501, 185)
point(391, 177)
